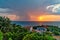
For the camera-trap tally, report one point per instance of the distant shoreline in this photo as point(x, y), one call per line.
point(35, 23)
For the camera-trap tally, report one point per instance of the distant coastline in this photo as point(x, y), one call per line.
point(35, 23)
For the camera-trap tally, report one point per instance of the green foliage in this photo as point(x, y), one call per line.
point(32, 36)
point(16, 32)
point(47, 37)
point(37, 36)
point(1, 35)
point(10, 39)
point(54, 29)
point(4, 21)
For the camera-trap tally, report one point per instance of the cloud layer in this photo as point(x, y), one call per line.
point(8, 13)
point(5, 10)
point(54, 8)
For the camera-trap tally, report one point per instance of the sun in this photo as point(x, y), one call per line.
point(40, 18)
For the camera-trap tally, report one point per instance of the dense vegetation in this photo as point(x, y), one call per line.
point(54, 29)
point(38, 36)
point(10, 31)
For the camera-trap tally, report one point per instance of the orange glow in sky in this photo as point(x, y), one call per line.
point(45, 18)
point(13, 17)
point(49, 18)
point(38, 18)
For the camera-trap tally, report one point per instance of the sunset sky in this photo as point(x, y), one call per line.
point(30, 10)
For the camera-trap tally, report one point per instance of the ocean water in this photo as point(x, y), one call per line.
point(35, 23)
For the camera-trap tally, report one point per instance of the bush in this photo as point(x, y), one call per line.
point(37, 36)
point(1, 35)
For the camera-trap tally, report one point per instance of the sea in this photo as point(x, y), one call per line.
point(36, 23)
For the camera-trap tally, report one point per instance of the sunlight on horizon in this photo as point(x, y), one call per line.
point(49, 18)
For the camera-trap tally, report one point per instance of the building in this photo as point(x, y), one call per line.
point(37, 28)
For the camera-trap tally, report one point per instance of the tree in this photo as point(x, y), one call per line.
point(4, 21)
point(4, 24)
